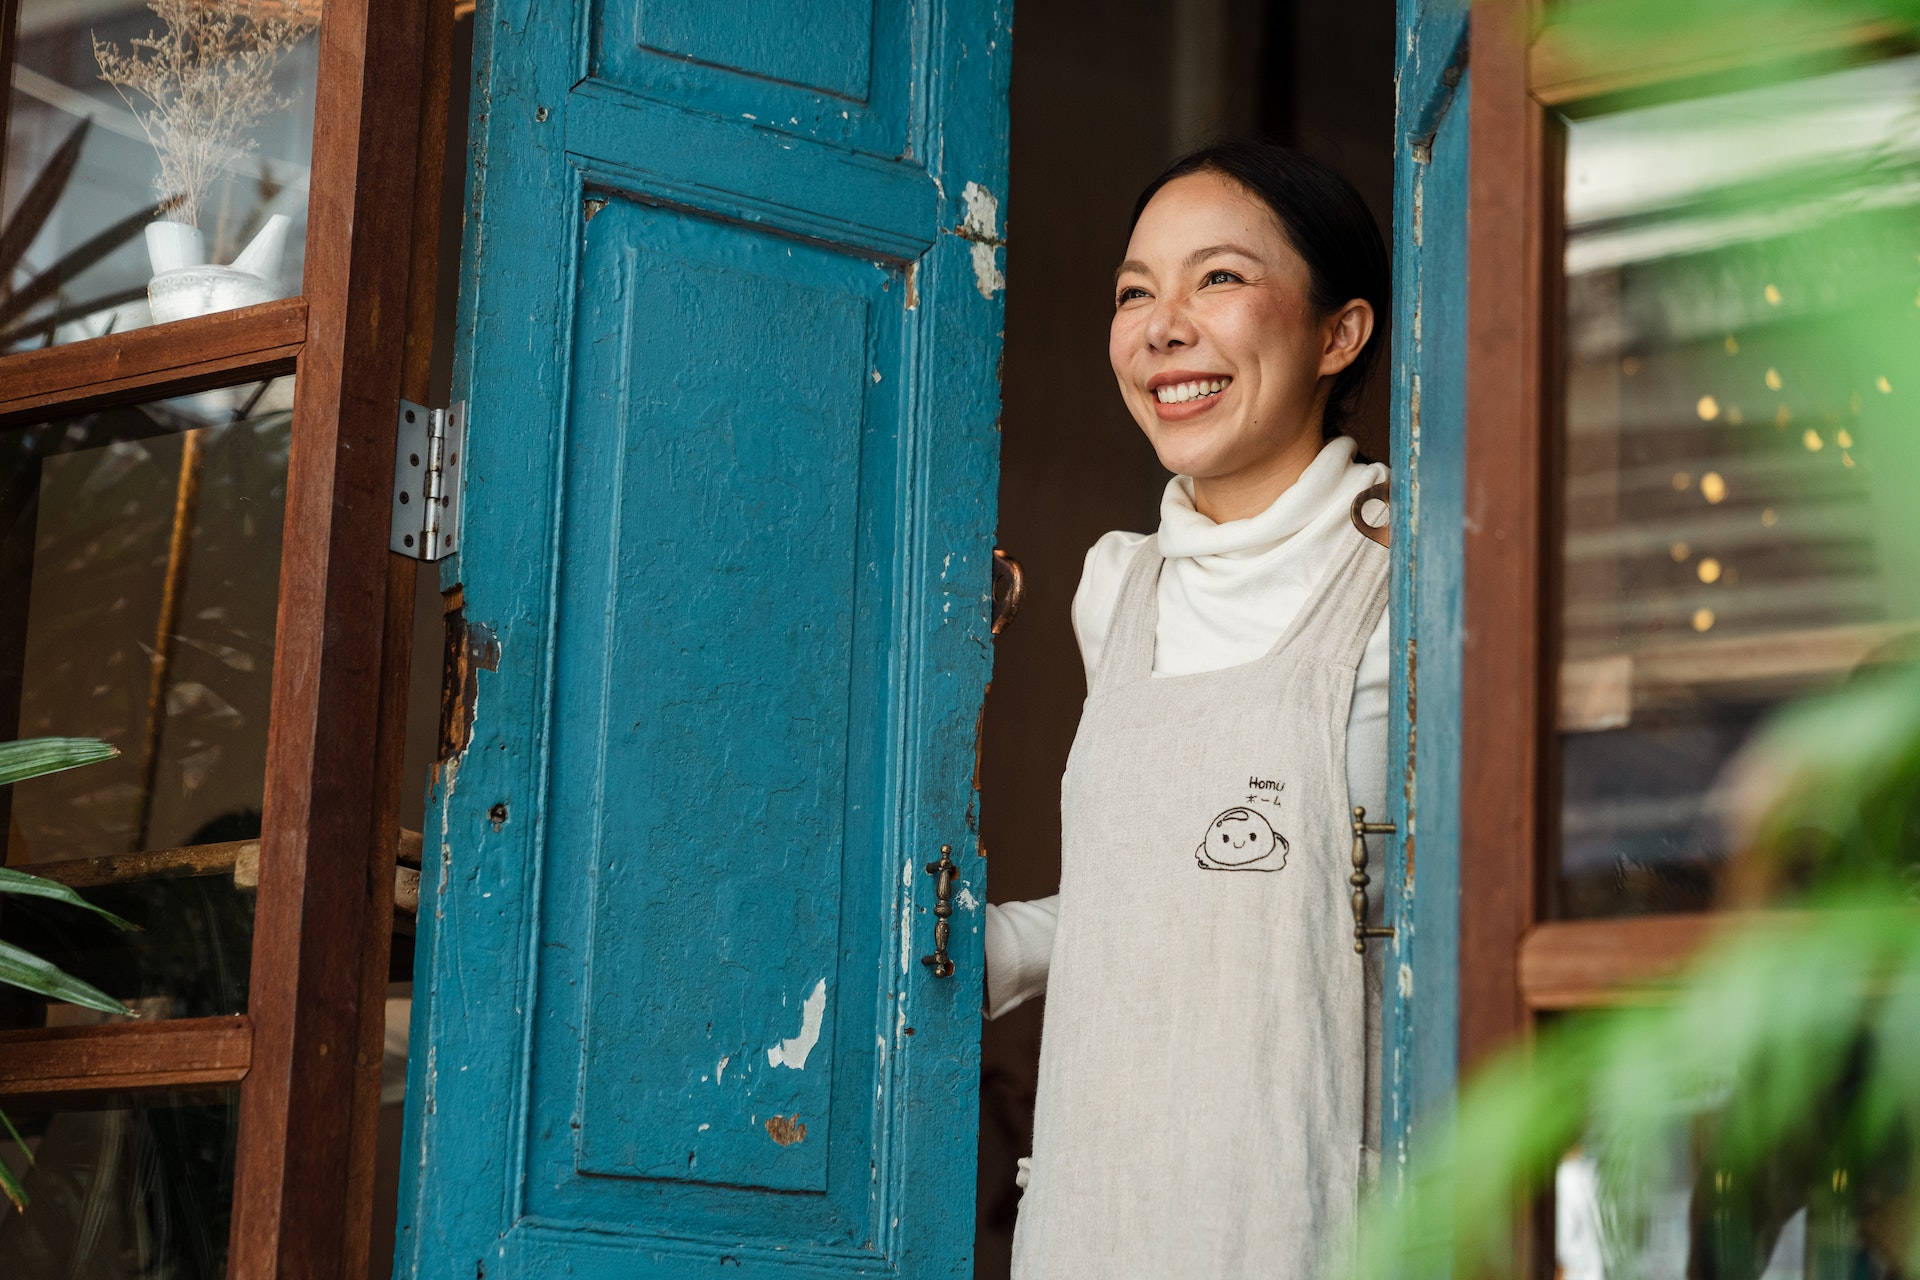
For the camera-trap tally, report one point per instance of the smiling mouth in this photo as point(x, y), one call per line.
point(1181, 392)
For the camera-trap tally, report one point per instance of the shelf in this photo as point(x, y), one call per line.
point(222, 349)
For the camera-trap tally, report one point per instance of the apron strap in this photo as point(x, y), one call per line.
point(1128, 652)
point(1345, 607)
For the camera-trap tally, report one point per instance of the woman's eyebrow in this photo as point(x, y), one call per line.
point(1198, 256)
point(1193, 259)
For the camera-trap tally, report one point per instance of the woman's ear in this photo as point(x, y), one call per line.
point(1344, 335)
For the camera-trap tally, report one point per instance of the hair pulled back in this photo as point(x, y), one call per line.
point(1327, 224)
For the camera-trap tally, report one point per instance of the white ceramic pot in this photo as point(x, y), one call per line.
point(185, 286)
point(173, 245)
point(200, 291)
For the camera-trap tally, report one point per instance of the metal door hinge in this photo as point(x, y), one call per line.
point(426, 480)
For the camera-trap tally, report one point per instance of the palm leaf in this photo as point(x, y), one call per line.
point(32, 886)
point(36, 757)
point(72, 311)
point(10, 1185)
point(75, 261)
point(31, 213)
point(29, 972)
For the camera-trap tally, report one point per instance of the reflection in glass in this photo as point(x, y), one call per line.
point(1741, 278)
point(1662, 1212)
point(155, 162)
point(144, 542)
point(122, 1190)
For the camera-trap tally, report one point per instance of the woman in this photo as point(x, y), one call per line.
point(1205, 1088)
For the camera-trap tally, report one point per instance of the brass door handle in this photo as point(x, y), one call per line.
point(943, 872)
point(1361, 929)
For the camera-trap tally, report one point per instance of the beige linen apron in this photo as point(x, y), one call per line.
point(1204, 1088)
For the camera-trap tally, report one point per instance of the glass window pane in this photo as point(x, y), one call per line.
point(1741, 274)
point(141, 183)
point(145, 544)
point(132, 1190)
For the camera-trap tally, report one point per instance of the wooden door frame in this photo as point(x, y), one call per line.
point(306, 1055)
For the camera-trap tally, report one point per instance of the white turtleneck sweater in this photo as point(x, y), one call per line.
point(1226, 593)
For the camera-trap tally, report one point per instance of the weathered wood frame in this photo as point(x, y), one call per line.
point(1515, 962)
point(306, 1056)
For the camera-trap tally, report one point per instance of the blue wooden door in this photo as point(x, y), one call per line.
point(1428, 456)
point(729, 328)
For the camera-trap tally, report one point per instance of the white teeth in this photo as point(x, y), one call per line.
point(1180, 392)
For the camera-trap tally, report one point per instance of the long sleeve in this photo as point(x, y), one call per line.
point(1019, 948)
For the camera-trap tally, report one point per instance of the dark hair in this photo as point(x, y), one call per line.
point(1325, 221)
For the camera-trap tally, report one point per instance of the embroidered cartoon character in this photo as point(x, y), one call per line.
point(1242, 840)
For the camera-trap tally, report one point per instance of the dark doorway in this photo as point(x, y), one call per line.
point(1104, 95)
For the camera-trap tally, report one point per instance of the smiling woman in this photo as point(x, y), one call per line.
point(1244, 322)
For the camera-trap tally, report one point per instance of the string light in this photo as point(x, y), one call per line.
point(1773, 379)
point(1702, 619)
point(1709, 570)
point(1843, 438)
point(1712, 487)
point(1813, 441)
point(1708, 408)
point(1881, 385)
point(1773, 295)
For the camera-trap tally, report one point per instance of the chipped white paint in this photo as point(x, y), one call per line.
point(703, 1128)
point(720, 1068)
point(983, 213)
point(1406, 982)
point(966, 899)
point(987, 276)
point(982, 226)
point(793, 1053)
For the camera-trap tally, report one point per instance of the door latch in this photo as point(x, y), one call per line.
point(1361, 929)
point(427, 460)
point(943, 872)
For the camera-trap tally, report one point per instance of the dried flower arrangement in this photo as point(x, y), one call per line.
point(206, 81)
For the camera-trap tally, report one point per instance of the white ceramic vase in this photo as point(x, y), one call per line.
point(184, 284)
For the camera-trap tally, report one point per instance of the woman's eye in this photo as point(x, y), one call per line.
point(1222, 276)
point(1128, 294)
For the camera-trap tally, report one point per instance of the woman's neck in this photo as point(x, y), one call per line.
point(1251, 490)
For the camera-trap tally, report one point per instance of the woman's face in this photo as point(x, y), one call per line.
point(1219, 354)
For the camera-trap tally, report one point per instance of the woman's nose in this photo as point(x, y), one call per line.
point(1169, 326)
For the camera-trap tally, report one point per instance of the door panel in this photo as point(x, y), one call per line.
point(838, 71)
point(1428, 455)
point(733, 402)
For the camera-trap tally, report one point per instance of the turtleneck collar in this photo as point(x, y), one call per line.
point(1184, 532)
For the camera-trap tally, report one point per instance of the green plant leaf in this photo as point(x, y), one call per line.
point(23, 969)
point(32, 886)
point(36, 757)
point(49, 280)
point(17, 236)
point(10, 1185)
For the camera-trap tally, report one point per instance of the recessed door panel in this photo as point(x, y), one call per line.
point(710, 606)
